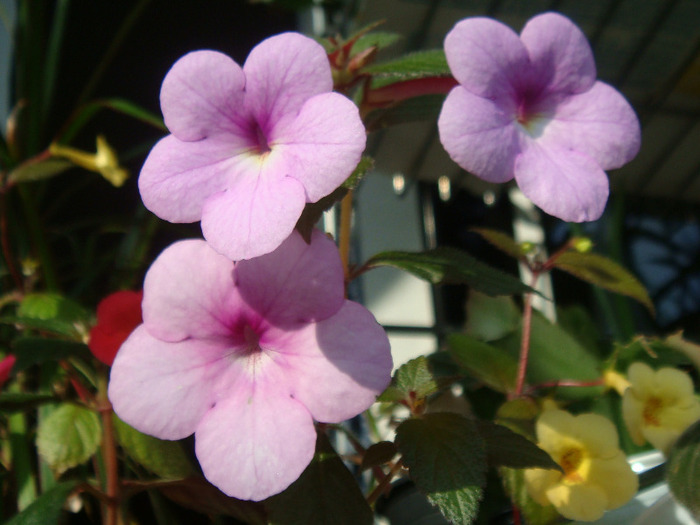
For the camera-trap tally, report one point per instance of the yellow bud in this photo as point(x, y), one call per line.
point(616, 381)
point(582, 244)
point(104, 161)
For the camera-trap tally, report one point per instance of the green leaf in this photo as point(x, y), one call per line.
point(603, 272)
point(36, 350)
point(378, 454)
point(20, 401)
point(68, 436)
point(491, 318)
point(505, 448)
point(451, 266)
point(413, 381)
point(164, 458)
point(48, 508)
point(421, 64)
point(502, 241)
point(415, 109)
point(683, 469)
point(52, 313)
point(378, 39)
point(30, 172)
point(446, 458)
point(325, 493)
point(198, 494)
point(487, 363)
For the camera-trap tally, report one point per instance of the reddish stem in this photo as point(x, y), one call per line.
point(383, 485)
point(5, 241)
point(109, 449)
point(525, 339)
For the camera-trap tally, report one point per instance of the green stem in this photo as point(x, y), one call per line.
point(37, 235)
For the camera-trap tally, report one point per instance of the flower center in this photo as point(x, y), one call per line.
point(652, 407)
point(570, 461)
point(260, 144)
point(252, 341)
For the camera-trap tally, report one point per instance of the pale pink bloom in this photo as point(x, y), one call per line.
point(250, 146)
point(529, 107)
point(246, 356)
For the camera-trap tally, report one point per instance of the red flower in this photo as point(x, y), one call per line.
point(117, 316)
point(6, 365)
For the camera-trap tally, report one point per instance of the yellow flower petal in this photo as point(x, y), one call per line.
point(538, 481)
point(615, 477)
point(578, 502)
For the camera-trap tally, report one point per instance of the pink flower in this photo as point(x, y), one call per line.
point(249, 147)
point(117, 316)
point(6, 365)
point(246, 356)
point(530, 107)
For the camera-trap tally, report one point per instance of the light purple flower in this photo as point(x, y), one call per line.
point(249, 147)
point(530, 107)
point(246, 356)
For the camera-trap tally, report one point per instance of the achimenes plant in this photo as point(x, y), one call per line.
point(246, 341)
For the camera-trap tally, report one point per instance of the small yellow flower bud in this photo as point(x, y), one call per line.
point(104, 161)
point(582, 244)
point(615, 380)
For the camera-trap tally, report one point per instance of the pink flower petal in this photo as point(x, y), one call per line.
point(487, 58)
point(564, 183)
point(282, 72)
point(600, 123)
point(178, 177)
point(479, 135)
point(323, 144)
point(189, 292)
point(255, 214)
point(339, 366)
point(164, 389)
point(295, 283)
point(256, 442)
point(200, 94)
point(560, 55)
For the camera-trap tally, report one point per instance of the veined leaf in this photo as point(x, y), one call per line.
point(683, 469)
point(421, 64)
point(413, 381)
point(487, 363)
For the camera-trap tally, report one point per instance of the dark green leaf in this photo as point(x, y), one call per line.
point(47, 509)
point(491, 318)
point(68, 436)
point(411, 382)
point(505, 448)
point(18, 401)
point(198, 494)
point(325, 493)
point(603, 272)
point(683, 469)
point(378, 454)
point(52, 326)
point(451, 266)
point(164, 458)
point(447, 461)
point(36, 350)
point(487, 363)
point(38, 170)
point(502, 241)
point(421, 64)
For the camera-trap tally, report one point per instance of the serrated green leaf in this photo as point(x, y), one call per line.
point(451, 266)
point(164, 458)
point(683, 470)
point(68, 436)
point(325, 493)
point(486, 363)
point(378, 454)
point(38, 170)
point(502, 241)
point(36, 350)
point(603, 272)
point(491, 318)
point(421, 64)
point(47, 508)
point(446, 458)
point(20, 401)
point(505, 448)
point(415, 379)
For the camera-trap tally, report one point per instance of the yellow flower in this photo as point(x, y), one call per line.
point(104, 161)
point(596, 474)
point(659, 405)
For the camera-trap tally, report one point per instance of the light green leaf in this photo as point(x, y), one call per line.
point(38, 170)
point(54, 313)
point(164, 458)
point(68, 436)
point(413, 381)
point(421, 64)
point(451, 266)
point(487, 363)
point(603, 272)
point(446, 458)
point(47, 508)
point(683, 470)
point(502, 241)
point(325, 493)
point(491, 318)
